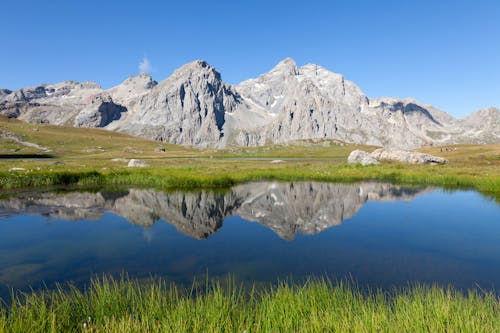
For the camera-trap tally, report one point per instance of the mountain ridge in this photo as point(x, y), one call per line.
point(194, 106)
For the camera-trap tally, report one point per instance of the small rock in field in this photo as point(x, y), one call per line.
point(17, 169)
point(135, 163)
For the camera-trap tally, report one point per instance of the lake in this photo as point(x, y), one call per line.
point(376, 234)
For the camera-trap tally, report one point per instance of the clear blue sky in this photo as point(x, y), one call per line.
point(443, 52)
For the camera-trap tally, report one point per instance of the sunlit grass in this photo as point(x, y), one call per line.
point(222, 174)
point(124, 305)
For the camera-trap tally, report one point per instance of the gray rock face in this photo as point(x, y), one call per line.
point(195, 107)
point(187, 108)
point(311, 102)
point(100, 112)
point(56, 104)
point(131, 89)
point(361, 157)
point(482, 126)
point(286, 208)
point(306, 102)
point(403, 156)
point(4, 92)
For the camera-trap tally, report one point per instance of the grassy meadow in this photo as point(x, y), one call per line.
point(83, 156)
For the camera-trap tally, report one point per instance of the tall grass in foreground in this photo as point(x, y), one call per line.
point(110, 305)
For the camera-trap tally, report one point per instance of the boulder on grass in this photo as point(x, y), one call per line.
point(361, 157)
point(135, 163)
point(404, 156)
point(17, 169)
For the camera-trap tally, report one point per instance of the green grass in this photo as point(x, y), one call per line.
point(221, 174)
point(125, 305)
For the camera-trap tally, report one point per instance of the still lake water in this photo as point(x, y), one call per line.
point(379, 235)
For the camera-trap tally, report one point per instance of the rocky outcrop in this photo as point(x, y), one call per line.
point(403, 156)
point(286, 208)
point(194, 106)
point(310, 102)
point(482, 126)
point(56, 104)
point(189, 107)
point(361, 157)
point(4, 92)
point(132, 88)
point(99, 113)
point(306, 102)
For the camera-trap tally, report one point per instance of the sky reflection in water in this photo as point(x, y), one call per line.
point(380, 235)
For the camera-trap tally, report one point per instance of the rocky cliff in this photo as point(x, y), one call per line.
point(189, 107)
point(194, 106)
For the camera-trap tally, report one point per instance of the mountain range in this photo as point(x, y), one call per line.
point(194, 106)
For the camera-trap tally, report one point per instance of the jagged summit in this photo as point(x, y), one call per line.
point(143, 79)
point(286, 66)
point(195, 68)
point(194, 106)
point(4, 92)
point(188, 107)
point(131, 88)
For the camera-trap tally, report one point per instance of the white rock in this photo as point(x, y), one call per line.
point(137, 163)
point(120, 160)
point(17, 169)
point(361, 157)
point(403, 156)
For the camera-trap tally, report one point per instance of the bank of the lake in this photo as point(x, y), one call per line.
point(223, 173)
point(320, 306)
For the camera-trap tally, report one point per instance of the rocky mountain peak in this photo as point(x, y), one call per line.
point(132, 87)
point(143, 80)
point(4, 92)
point(286, 66)
point(320, 75)
point(89, 85)
point(194, 106)
point(481, 124)
point(197, 69)
point(188, 107)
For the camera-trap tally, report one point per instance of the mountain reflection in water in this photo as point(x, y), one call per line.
point(285, 208)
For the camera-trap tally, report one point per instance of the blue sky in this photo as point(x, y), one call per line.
point(444, 53)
